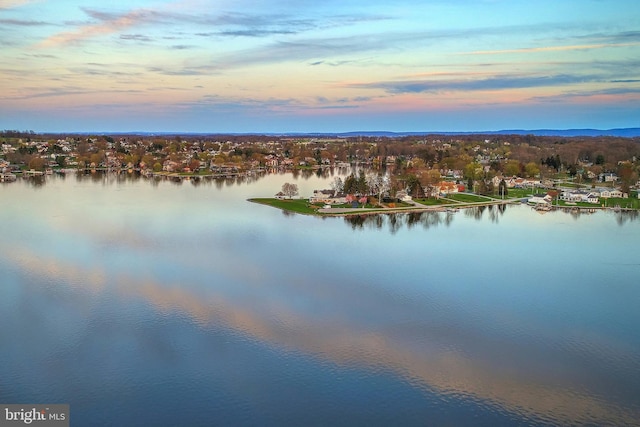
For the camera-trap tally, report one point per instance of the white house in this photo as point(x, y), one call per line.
point(571, 196)
point(538, 199)
point(271, 161)
point(608, 177)
point(605, 193)
point(447, 187)
point(403, 196)
point(591, 198)
point(328, 197)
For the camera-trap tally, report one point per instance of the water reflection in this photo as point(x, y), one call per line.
point(36, 181)
point(623, 217)
point(420, 349)
point(389, 307)
point(397, 221)
point(221, 180)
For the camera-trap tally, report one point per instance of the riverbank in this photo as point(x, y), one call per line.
point(303, 206)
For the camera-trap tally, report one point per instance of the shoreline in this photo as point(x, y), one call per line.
point(416, 208)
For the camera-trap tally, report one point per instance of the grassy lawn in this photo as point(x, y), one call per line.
point(468, 198)
point(348, 206)
point(204, 172)
point(432, 201)
point(293, 205)
point(562, 203)
point(517, 192)
point(631, 202)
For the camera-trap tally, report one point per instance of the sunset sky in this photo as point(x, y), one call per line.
point(318, 66)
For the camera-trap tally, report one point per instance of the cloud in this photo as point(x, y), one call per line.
point(230, 24)
point(69, 91)
point(23, 23)
point(491, 83)
point(109, 23)
point(135, 37)
point(617, 37)
point(551, 48)
point(315, 50)
point(179, 72)
point(182, 47)
point(249, 33)
point(271, 104)
point(614, 93)
point(319, 50)
point(10, 4)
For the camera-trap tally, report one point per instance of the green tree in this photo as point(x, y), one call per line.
point(415, 187)
point(627, 176)
point(473, 170)
point(532, 169)
point(36, 163)
point(350, 185)
point(485, 187)
point(502, 188)
point(512, 168)
point(362, 186)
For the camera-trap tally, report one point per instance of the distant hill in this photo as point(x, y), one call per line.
point(622, 132)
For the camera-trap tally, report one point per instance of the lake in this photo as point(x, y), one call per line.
point(144, 302)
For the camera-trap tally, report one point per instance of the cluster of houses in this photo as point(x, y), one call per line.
point(5, 172)
point(594, 196)
point(331, 197)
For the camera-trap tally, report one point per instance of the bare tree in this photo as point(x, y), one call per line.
point(337, 185)
point(290, 190)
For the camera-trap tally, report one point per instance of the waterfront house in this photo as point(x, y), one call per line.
point(271, 161)
point(532, 183)
point(540, 198)
point(403, 196)
point(605, 193)
point(571, 196)
point(170, 166)
point(328, 197)
point(592, 198)
point(7, 177)
point(447, 187)
point(516, 182)
point(616, 193)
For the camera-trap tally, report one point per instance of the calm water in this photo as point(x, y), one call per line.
point(155, 303)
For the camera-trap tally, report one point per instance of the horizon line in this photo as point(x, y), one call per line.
point(628, 131)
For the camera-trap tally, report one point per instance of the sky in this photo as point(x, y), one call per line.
point(239, 66)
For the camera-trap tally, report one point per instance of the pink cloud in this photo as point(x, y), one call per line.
point(109, 24)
